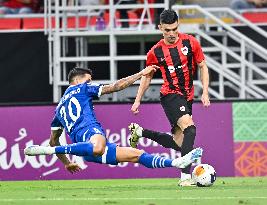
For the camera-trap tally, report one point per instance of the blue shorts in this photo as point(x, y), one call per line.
point(86, 133)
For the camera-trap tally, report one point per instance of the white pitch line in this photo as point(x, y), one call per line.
point(137, 199)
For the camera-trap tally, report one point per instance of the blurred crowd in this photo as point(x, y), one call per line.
point(21, 6)
point(36, 6)
point(248, 4)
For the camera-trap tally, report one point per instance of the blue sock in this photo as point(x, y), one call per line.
point(79, 149)
point(154, 161)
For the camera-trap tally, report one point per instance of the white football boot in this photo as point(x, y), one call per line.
point(188, 159)
point(34, 150)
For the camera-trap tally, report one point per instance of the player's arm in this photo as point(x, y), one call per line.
point(144, 84)
point(204, 76)
point(145, 81)
point(54, 141)
point(204, 72)
point(56, 131)
point(126, 82)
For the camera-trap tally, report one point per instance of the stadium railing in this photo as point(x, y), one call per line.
point(62, 21)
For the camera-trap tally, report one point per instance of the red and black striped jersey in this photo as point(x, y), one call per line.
point(178, 63)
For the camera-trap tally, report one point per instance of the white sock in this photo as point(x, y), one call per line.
point(185, 176)
point(139, 131)
point(50, 150)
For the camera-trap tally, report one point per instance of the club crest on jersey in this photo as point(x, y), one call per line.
point(184, 50)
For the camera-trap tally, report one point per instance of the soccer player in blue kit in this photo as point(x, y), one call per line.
point(75, 113)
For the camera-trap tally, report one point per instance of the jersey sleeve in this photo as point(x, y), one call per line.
point(151, 58)
point(197, 50)
point(94, 89)
point(56, 124)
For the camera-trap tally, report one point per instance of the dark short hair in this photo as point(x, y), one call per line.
point(168, 17)
point(78, 72)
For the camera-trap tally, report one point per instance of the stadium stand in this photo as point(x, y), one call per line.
point(242, 58)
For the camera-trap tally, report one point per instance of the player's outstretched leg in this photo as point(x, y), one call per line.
point(113, 155)
point(128, 154)
point(94, 147)
point(166, 141)
point(79, 149)
point(163, 139)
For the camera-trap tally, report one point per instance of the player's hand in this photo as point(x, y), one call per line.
point(205, 99)
point(73, 167)
point(135, 107)
point(149, 69)
point(259, 3)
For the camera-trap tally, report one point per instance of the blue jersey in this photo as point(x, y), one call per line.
point(75, 111)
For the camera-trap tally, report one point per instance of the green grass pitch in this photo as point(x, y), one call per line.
point(134, 191)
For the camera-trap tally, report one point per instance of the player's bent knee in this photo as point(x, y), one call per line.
point(185, 121)
point(98, 150)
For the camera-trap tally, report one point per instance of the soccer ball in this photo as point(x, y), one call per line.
point(204, 175)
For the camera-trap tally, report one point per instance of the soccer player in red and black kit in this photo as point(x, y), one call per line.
point(178, 56)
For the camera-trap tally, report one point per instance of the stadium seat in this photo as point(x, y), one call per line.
point(133, 17)
point(256, 17)
point(71, 22)
point(35, 23)
point(83, 22)
point(106, 17)
point(10, 23)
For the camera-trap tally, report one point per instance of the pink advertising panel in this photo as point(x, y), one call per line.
point(25, 125)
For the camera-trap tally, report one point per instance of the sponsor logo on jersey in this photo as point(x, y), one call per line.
point(171, 69)
point(184, 50)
